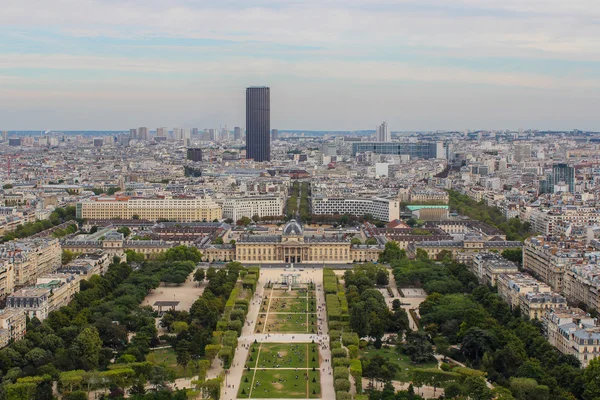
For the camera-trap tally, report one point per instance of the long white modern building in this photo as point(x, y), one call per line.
point(263, 206)
point(380, 208)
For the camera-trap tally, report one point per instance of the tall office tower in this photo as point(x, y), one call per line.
point(213, 134)
point(177, 133)
point(274, 134)
point(5, 136)
point(162, 132)
point(143, 133)
point(133, 133)
point(522, 152)
point(383, 133)
point(206, 135)
point(564, 173)
point(186, 134)
point(258, 123)
point(237, 133)
point(194, 132)
point(224, 133)
point(194, 154)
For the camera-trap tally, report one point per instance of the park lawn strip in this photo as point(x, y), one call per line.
point(281, 383)
point(405, 365)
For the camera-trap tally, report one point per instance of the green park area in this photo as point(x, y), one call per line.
point(286, 311)
point(169, 358)
point(401, 365)
point(281, 370)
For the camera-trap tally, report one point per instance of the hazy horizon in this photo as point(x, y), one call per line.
point(339, 65)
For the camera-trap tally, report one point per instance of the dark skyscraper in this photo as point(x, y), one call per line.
point(258, 123)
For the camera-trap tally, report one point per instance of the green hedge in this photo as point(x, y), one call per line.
point(341, 362)
point(342, 395)
point(350, 338)
point(342, 385)
point(330, 284)
point(340, 373)
point(356, 372)
point(339, 353)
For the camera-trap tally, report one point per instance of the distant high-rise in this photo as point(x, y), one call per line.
point(258, 123)
point(177, 133)
point(237, 133)
point(564, 173)
point(383, 133)
point(133, 133)
point(194, 132)
point(162, 132)
point(143, 133)
point(274, 134)
point(194, 154)
point(5, 136)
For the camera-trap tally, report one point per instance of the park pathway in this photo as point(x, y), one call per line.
point(234, 376)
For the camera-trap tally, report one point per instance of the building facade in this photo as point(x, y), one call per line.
point(263, 206)
point(258, 123)
point(380, 208)
point(183, 208)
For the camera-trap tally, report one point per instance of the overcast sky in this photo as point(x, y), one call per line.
point(331, 64)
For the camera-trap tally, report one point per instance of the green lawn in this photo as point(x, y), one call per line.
point(289, 323)
point(280, 383)
point(404, 373)
point(168, 357)
point(275, 355)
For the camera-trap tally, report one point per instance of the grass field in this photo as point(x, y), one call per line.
point(281, 370)
point(288, 323)
point(286, 311)
point(283, 355)
point(405, 366)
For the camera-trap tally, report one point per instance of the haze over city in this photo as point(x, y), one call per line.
point(336, 65)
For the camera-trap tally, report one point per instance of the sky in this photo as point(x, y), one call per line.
point(330, 64)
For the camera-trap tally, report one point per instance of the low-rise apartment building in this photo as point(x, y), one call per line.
point(31, 258)
point(582, 285)
point(12, 326)
point(512, 286)
point(487, 266)
point(549, 259)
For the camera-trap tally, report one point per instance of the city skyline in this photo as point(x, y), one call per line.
point(346, 64)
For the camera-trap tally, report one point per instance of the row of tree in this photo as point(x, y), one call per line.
point(514, 229)
point(57, 217)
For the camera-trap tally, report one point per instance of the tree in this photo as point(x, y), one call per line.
point(514, 255)
point(442, 346)
point(371, 241)
point(86, 348)
point(591, 378)
point(476, 388)
point(67, 256)
point(124, 230)
point(422, 255)
point(229, 221)
point(418, 347)
point(355, 241)
point(382, 278)
point(444, 255)
point(476, 342)
point(256, 218)
point(244, 221)
point(199, 275)
point(396, 304)
point(391, 252)
point(218, 240)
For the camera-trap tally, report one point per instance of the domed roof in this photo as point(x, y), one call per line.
point(292, 228)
